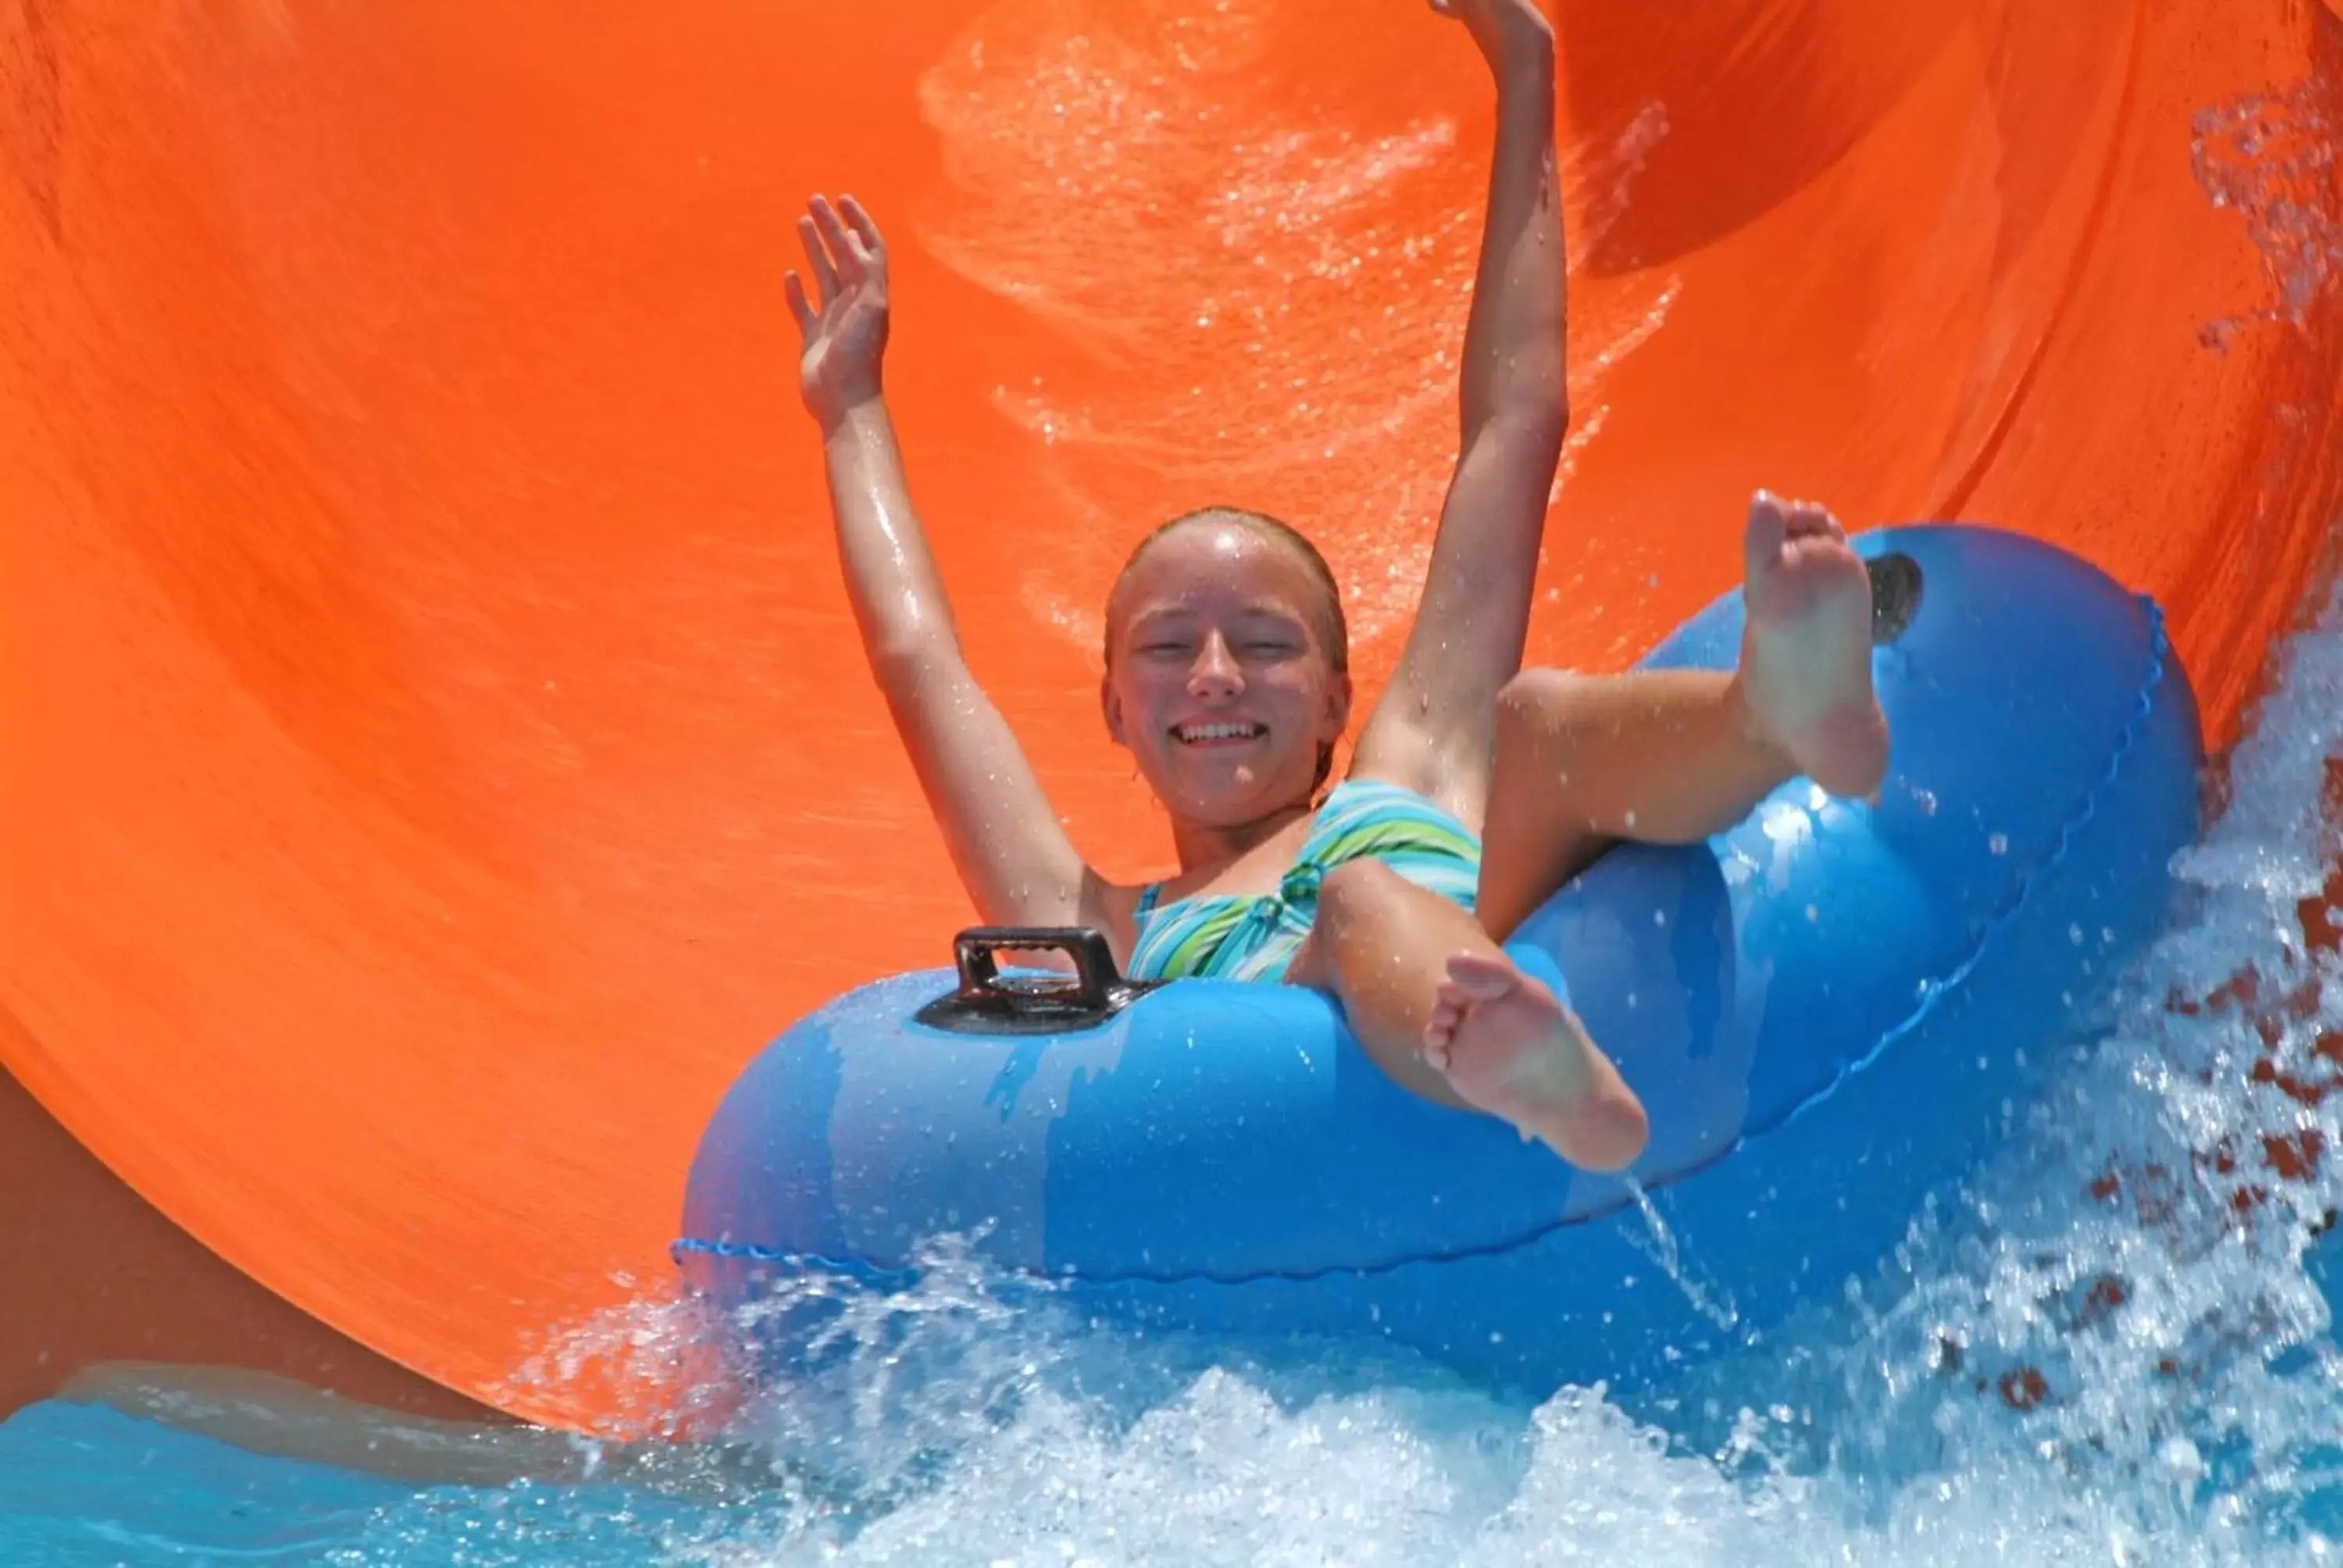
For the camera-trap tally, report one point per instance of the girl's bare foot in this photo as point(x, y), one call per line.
point(1508, 1045)
point(1806, 654)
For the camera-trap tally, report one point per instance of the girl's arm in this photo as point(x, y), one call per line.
point(1015, 858)
point(1433, 728)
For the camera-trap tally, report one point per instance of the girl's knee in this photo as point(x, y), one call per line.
point(1366, 901)
point(1535, 700)
point(1356, 887)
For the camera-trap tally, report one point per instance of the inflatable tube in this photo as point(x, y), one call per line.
point(1828, 1009)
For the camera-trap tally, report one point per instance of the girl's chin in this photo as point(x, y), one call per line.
point(1242, 798)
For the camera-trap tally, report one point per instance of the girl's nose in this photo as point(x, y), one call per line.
point(1215, 672)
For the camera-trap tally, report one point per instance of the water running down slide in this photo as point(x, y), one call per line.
point(436, 753)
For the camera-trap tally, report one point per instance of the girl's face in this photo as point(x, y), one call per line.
point(1217, 679)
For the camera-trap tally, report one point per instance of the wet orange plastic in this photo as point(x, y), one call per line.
point(436, 753)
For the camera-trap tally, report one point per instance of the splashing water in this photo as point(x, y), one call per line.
point(1658, 1243)
point(2272, 157)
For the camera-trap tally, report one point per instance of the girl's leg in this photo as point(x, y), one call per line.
point(1657, 756)
point(1387, 947)
point(1662, 756)
point(1670, 757)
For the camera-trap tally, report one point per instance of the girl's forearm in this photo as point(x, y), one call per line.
point(890, 578)
point(1514, 350)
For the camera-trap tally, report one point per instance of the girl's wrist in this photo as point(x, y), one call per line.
point(840, 410)
point(1526, 65)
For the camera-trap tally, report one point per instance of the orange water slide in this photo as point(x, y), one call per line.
point(435, 754)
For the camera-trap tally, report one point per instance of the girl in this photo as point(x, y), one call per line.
point(1475, 789)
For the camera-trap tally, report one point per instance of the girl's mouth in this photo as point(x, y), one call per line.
point(1225, 732)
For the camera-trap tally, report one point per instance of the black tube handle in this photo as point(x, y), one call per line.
point(986, 1003)
point(1095, 970)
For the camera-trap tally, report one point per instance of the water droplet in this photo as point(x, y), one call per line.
point(1998, 844)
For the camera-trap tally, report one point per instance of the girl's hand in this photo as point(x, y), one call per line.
point(845, 337)
point(1511, 33)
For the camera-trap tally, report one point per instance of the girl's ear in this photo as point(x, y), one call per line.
point(1338, 707)
point(1110, 709)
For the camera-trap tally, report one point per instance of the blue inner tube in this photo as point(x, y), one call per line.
point(1831, 1011)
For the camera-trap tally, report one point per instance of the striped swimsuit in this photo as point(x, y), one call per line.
point(1253, 937)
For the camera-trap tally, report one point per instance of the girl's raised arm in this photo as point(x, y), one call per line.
point(1432, 731)
point(1012, 854)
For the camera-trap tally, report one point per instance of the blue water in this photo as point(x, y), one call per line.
point(1987, 1398)
point(83, 1484)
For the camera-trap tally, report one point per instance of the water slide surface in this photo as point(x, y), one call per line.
point(437, 751)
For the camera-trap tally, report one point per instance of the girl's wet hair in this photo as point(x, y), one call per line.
point(1327, 620)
